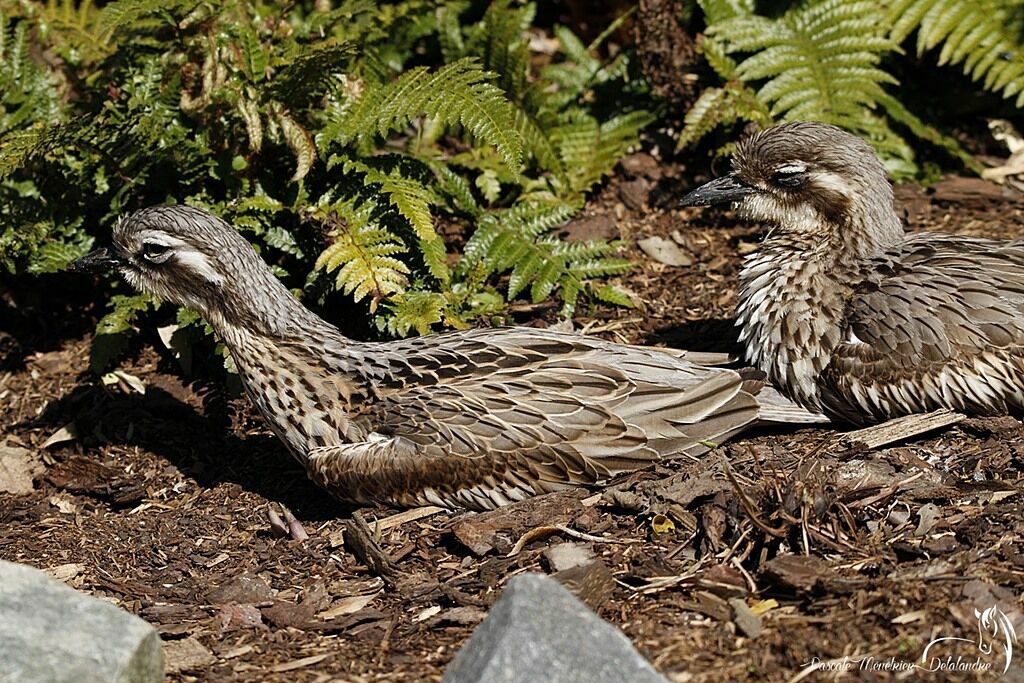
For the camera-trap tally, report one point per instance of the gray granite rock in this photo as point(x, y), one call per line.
point(538, 631)
point(50, 633)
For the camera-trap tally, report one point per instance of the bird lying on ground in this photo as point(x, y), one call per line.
point(475, 419)
point(845, 313)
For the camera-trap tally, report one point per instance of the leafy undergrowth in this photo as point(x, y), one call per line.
point(336, 141)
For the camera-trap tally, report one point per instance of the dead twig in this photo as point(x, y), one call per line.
point(748, 507)
point(364, 546)
point(542, 531)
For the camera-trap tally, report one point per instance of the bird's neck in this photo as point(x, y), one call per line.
point(303, 375)
point(265, 309)
point(793, 294)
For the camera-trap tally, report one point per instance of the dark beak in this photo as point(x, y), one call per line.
point(103, 258)
point(722, 190)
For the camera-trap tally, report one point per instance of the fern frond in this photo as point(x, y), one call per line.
point(449, 30)
point(363, 253)
point(717, 107)
point(124, 310)
point(539, 143)
point(56, 255)
point(589, 150)
point(528, 218)
point(310, 72)
point(435, 257)
point(113, 328)
point(16, 147)
point(980, 35)
point(457, 189)
point(28, 93)
point(456, 94)
point(717, 11)
point(610, 294)
point(506, 51)
point(514, 241)
point(818, 61)
point(128, 14)
point(410, 196)
point(418, 311)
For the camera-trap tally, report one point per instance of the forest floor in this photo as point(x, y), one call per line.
point(804, 545)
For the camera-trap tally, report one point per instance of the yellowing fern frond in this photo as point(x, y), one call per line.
point(363, 254)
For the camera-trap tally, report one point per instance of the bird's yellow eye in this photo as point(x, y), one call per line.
point(155, 252)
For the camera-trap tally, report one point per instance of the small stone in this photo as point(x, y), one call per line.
point(289, 615)
point(592, 583)
point(633, 193)
point(586, 228)
point(664, 251)
point(641, 164)
point(233, 617)
point(461, 615)
point(187, 655)
point(568, 555)
point(18, 467)
point(244, 588)
point(50, 633)
point(796, 572)
point(65, 572)
point(745, 619)
point(929, 514)
point(537, 631)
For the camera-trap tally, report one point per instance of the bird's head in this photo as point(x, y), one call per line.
point(807, 178)
point(191, 258)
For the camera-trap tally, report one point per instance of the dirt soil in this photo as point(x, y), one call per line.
point(771, 551)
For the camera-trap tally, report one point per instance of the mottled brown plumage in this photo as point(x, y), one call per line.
point(846, 313)
point(475, 418)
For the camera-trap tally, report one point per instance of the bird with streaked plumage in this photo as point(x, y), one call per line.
point(846, 313)
point(475, 419)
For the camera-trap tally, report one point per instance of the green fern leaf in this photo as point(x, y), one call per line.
point(506, 52)
point(435, 256)
point(613, 295)
point(982, 36)
point(418, 311)
point(310, 72)
point(456, 94)
point(56, 255)
point(717, 11)
point(127, 14)
point(818, 61)
point(457, 189)
point(410, 196)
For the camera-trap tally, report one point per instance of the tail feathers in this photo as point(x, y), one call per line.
point(706, 358)
point(731, 419)
point(777, 409)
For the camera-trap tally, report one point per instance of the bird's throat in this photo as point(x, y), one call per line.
point(790, 312)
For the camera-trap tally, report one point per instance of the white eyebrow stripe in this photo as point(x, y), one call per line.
point(792, 167)
point(161, 238)
point(185, 256)
point(199, 264)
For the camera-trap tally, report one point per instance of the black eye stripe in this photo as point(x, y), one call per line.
point(791, 179)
